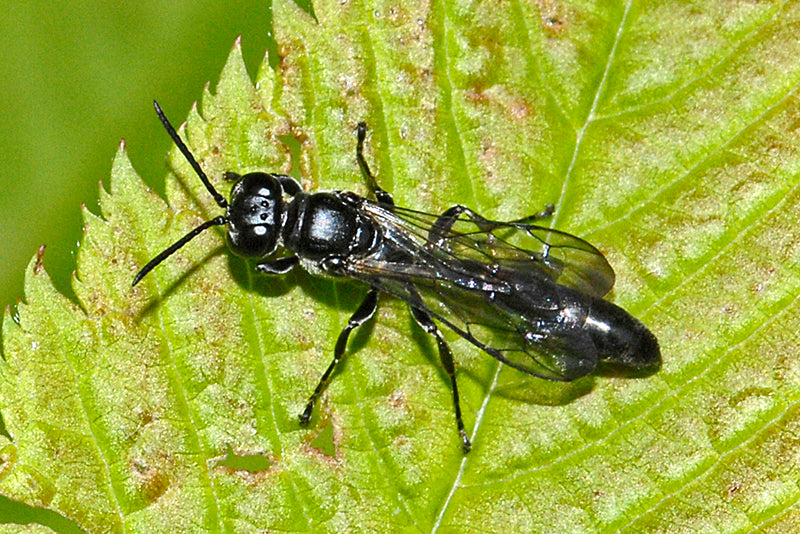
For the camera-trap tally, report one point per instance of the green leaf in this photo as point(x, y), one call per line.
point(666, 134)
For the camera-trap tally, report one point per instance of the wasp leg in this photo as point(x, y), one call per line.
point(382, 196)
point(279, 266)
point(425, 321)
point(363, 314)
point(548, 210)
point(446, 220)
point(289, 185)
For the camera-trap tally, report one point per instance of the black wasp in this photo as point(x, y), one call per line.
point(529, 296)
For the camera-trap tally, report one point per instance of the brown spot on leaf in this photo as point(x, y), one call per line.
point(150, 478)
point(520, 109)
point(8, 459)
point(39, 265)
point(397, 400)
point(475, 94)
point(553, 16)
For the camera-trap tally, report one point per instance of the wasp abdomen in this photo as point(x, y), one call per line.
point(620, 338)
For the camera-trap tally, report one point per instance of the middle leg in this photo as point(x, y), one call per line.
point(444, 223)
point(363, 314)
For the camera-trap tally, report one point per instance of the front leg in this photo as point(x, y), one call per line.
point(382, 196)
point(289, 185)
point(278, 266)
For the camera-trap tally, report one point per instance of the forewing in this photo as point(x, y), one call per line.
point(536, 342)
point(524, 248)
point(510, 308)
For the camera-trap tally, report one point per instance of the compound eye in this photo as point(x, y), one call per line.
point(255, 212)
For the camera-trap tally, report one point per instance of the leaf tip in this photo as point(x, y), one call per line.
point(121, 163)
point(234, 81)
point(38, 266)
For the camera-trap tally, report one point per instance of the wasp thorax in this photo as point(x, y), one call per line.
point(254, 215)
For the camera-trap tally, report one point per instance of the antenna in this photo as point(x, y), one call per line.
point(219, 199)
point(217, 221)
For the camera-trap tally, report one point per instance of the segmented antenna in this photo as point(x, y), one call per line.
point(219, 199)
point(217, 221)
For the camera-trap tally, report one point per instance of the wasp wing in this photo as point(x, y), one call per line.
point(555, 255)
point(507, 304)
point(536, 344)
